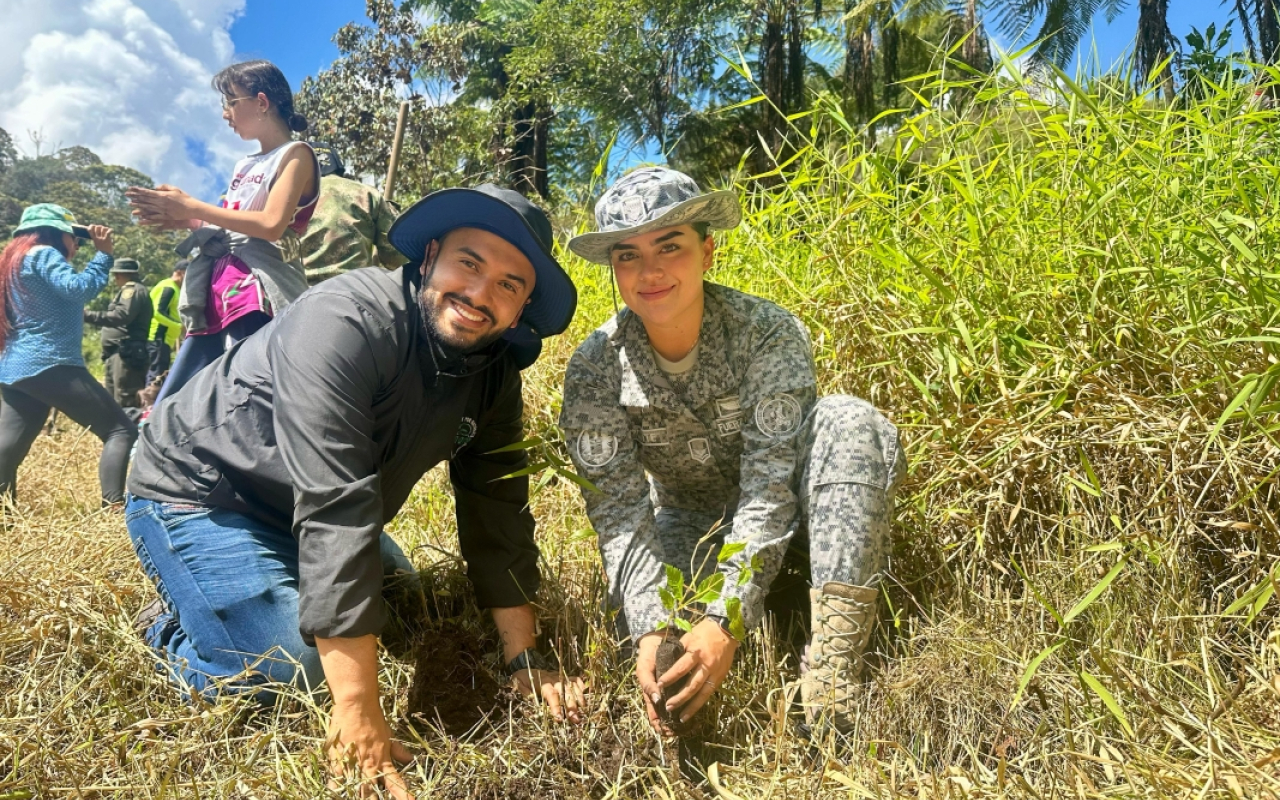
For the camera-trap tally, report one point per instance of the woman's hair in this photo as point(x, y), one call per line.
point(11, 264)
point(254, 77)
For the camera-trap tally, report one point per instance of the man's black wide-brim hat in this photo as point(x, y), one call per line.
point(504, 213)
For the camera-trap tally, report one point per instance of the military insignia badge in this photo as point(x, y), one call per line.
point(700, 450)
point(596, 449)
point(729, 416)
point(778, 415)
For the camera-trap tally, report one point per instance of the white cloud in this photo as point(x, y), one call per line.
point(127, 78)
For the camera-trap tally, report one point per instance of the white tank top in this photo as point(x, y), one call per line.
point(252, 182)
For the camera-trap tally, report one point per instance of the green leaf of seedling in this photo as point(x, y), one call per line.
point(668, 602)
point(737, 628)
point(1030, 671)
point(1108, 700)
point(1096, 591)
point(709, 589)
point(730, 550)
point(675, 582)
point(684, 624)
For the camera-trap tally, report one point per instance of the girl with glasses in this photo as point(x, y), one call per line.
point(246, 262)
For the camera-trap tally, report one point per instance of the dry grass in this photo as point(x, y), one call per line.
point(1079, 521)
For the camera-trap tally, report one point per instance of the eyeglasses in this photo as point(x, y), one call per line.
point(229, 102)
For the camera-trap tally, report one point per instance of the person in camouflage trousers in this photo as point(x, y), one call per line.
point(349, 229)
point(125, 324)
point(695, 414)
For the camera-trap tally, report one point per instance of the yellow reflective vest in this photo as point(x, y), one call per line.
point(164, 304)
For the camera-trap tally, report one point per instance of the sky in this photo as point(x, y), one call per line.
point(130, 78)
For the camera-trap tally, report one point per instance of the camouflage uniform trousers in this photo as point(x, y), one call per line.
point(851, 463)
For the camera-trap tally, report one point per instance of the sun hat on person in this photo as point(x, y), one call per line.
point(649, 199)
point(507, 214)
point(50, 215)
point(125, 266)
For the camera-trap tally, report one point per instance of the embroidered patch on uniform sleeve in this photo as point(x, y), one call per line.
point(596, 449)
point(700, 450)
point(778, 415)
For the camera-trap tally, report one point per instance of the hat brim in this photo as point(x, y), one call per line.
point(554, 297)
point(720, 210)
point(57, 225)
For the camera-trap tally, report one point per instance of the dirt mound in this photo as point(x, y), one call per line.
point(451, 686)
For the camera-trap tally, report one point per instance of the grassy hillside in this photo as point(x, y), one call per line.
point(1067, 301)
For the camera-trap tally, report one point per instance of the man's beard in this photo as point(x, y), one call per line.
point(449, 345)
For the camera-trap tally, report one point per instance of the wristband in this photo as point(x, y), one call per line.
point(531, 659)
point(723, 622)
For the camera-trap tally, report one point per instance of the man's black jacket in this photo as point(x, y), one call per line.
point(323, 421)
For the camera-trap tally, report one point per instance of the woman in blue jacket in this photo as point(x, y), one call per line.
point(42, 297)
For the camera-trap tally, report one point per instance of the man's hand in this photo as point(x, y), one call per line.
point(565, 697)
point(103, 238)
point(708, 656)
point(516, 626)
point(359, 737)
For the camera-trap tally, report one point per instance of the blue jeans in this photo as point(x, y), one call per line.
point(230, 589)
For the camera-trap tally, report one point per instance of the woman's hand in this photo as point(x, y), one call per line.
point(359, 740)
point(103, 238)
point(565, 697)
point(164, 206)
point(708, 655)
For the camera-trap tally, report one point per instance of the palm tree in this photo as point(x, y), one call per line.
point(1063, 23)
point(1261, 26)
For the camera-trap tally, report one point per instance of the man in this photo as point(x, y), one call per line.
point(125, 324)
point(349, 229)
point(260, 489)
point(695, 414)
point(166, 327)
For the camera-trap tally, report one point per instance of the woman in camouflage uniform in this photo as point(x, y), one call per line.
point(694, 411)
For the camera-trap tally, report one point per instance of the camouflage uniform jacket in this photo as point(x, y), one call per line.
point(351, 221)
point(727, 443)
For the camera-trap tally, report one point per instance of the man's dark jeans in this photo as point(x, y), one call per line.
point(230, 587)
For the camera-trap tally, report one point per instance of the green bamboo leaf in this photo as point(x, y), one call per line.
point(1108, 700)
point(1030, 671)
point(1240, 399)
point(529, 470)
point(1096, 591)
point(527, 444)
point(569, 475)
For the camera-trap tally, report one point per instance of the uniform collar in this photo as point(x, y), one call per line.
point(645, 385)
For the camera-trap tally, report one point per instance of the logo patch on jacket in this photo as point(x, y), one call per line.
point(778, 415)
point(466, 432)
point(596, 449)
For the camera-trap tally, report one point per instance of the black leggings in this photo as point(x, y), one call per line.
point(24, 407)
